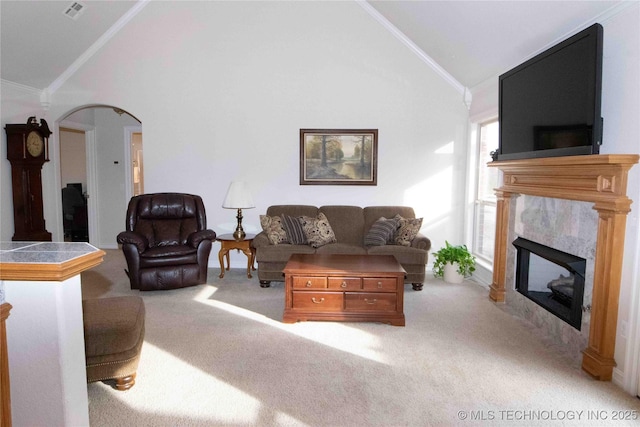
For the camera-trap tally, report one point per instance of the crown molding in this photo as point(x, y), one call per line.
point(414, 48)
point(21, 87)
point(44, 96)
point(94, 48)
point(612, 12)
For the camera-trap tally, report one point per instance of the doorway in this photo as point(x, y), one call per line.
point(107, 182)
point(73, 179)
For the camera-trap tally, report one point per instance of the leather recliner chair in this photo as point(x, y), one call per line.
point(167, 243)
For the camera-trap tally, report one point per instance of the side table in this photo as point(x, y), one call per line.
point(228, 242)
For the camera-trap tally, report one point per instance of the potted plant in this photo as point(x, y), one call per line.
point(453, 263)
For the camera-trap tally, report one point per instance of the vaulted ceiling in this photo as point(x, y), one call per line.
point(471, 40)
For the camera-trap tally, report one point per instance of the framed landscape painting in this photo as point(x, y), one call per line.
point(338, 156)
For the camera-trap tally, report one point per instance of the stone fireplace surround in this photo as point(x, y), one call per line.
point(598, 179)
point(565, 225)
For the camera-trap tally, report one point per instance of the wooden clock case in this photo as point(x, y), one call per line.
point(26, 178)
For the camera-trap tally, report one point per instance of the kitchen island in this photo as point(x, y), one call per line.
point(45, 335)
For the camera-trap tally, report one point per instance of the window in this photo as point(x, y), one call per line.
point(484, 221)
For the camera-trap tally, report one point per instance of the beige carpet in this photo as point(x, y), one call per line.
point(218, 355)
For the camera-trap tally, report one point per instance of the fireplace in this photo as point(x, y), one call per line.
point(552, 279)
point(598, 179)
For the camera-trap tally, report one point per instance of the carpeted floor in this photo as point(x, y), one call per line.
point(218, 355)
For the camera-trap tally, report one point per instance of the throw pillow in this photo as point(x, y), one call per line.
point(407, 231)
point(272, 226)
point(294, 230)
point(317, 230)
point(381, 232)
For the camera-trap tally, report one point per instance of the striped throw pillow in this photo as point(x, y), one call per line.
point(295, 232)
point(381, 232)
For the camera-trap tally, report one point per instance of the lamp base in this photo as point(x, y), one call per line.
point(239, 234)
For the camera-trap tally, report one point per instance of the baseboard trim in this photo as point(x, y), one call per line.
point(483, 274)
point(618, 378)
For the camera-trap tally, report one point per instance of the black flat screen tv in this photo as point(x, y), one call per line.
point(550, 105)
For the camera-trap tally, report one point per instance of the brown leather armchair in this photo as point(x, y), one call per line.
point(167, 243)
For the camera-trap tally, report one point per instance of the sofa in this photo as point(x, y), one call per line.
point(354, 230)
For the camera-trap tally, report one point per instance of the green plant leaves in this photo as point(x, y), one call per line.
point(458, 254)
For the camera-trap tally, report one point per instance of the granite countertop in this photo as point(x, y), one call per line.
point(43, 252)
point(49, 261)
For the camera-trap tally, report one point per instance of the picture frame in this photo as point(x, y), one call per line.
point(337, 157)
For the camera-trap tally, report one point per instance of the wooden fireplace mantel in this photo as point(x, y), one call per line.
point(602, 180)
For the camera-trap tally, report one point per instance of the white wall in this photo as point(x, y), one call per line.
point(111, 172)
point(223, 88)
point(620, 110)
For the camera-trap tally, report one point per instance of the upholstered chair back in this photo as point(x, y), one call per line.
point(166, 219)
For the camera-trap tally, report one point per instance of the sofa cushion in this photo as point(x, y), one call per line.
point(168, 251)
point(407, 231)
point(381, 232)
point(347, 223)
point(295, 231)
point(405, 255)
point(162, 256)
point(272, 226)
point(281, 253)
point(317, 230)
point(341, 248)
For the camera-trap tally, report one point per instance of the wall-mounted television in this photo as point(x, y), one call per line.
point(550, 105)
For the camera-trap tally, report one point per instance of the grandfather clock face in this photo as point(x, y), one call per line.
point(27, 151)
point(35, 144)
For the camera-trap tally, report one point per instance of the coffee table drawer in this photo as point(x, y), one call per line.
point(370, 301)
point(379, 284)
point(318, 301)
point(345, 283)
point(309, 282)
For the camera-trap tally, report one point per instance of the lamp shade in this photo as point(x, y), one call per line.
point(238, 196)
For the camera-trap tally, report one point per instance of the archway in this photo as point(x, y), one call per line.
point(95, 156)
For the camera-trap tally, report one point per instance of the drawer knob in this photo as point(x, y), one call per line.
point(344, 284)
point(379, 285)
point(370, 301)
point(315, 301)
point(308, 284)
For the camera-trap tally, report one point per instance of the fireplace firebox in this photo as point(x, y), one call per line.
point(551, 278)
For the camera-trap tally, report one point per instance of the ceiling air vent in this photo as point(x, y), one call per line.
point(74, 10)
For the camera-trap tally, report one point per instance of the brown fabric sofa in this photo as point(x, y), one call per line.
point(350, 225)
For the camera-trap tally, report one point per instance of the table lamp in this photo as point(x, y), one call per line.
point(238, 197)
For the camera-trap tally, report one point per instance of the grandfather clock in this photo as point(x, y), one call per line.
point(27, 150)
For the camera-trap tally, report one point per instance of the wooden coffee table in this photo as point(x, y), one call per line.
point(354, 288)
